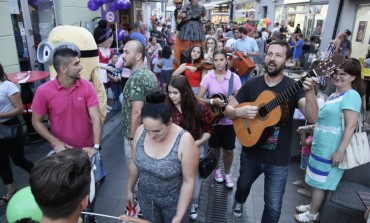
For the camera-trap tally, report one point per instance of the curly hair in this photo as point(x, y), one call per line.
point(166, 52)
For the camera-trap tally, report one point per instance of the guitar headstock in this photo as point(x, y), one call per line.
point(328, 66)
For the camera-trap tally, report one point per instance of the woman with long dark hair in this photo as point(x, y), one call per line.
point(11, 106)
point(193, 116)
point(193, 69)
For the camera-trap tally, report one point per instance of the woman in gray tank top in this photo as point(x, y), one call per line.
point(164, 166)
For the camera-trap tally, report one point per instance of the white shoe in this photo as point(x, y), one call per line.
point(229, 181)
point(194, 211)
point(217, 175)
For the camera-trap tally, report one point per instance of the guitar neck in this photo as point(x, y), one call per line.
point(287, 93)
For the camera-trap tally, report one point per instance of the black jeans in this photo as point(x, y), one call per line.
point(15, 150)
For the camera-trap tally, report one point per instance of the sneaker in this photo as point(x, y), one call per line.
point(238, 209)
point(194, 211)
point(217, 175)
point(229, 181)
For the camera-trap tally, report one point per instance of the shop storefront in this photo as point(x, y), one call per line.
point(244, 12)
point(220, 14)
point(310, 16)
point(32, 22)
point(361, 31)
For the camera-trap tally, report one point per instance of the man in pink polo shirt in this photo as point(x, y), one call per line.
point(71, 104)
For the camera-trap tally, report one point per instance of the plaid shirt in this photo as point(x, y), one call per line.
point(206, 118)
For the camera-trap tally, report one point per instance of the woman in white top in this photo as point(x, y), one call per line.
point(11, 106)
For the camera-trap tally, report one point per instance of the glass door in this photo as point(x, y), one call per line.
point(32, 21)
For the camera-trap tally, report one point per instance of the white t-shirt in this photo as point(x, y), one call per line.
point(156, 69)
point(265, 35)
point(230, 43)
point(7, 89)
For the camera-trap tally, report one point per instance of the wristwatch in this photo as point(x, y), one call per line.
point(97, 146)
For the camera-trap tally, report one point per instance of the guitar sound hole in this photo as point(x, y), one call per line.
point(262, 112)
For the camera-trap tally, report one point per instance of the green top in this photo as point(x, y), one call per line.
point(141, 82)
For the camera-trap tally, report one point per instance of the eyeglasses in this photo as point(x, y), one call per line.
point(341, 74)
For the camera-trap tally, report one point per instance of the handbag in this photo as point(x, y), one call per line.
point(358, 150)
point(8, 132)
point(207, 163)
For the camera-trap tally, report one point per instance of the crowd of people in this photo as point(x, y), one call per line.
point(165, 89)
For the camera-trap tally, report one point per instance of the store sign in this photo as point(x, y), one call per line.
point(295, 1)
point(110, 16)
point(221, 8)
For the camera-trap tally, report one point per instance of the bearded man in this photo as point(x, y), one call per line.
point(271, 154)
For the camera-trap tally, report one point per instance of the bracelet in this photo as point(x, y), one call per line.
point(131, 139)
point(211, 101)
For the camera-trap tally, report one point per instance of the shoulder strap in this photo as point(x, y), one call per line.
point(231, 84)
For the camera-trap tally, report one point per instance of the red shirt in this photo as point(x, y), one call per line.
point(68, 111)
point(193, 78)
point(206, 118)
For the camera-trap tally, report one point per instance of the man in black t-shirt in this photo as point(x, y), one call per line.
point(271, 154)
point(158, 34)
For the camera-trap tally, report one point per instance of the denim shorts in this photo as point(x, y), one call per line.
point(304, 161)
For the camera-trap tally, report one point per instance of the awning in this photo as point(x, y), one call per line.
point(212, 4)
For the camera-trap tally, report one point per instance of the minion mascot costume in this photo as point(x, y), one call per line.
point(89, 60)
point(190, 28)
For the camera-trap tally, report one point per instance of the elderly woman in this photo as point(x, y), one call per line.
point(163, 157)
point(330, 139)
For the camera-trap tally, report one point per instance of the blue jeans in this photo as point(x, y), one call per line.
point(244, 78)
point(275, 180)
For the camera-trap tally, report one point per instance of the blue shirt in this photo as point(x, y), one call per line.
point(246, 45)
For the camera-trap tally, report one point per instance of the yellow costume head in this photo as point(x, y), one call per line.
point(82, 38)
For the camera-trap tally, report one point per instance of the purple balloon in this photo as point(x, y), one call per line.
point(98, 2)
point(126, 4)
point(113, 6)
point(120, 34)
point(119, 4)
point(106, 1)
point(92, 6)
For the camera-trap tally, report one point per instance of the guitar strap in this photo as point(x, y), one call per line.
point(231, 84)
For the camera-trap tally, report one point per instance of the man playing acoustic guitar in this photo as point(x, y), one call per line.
point(271, 154)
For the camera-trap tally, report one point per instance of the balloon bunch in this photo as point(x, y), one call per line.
point(263, 23)
point(114, 5)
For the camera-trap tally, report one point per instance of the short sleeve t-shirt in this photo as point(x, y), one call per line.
point(7, 89)
point(141, 82)
point(273, 148)
point(68, 111)
point(213, 87)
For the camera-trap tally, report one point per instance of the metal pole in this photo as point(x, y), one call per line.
point(117, 37)
point(232, 10)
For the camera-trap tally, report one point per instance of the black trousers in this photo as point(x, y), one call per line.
point(15, 150)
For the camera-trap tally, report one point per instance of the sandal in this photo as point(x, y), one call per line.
point(303, 208)
point(307, 217)
point(6, 198)
point(304, 192)
point(298, 183)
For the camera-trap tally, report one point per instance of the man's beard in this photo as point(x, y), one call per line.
point(274, 72)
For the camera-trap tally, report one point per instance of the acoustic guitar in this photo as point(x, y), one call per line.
point(216, 112)
point(270, 111)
